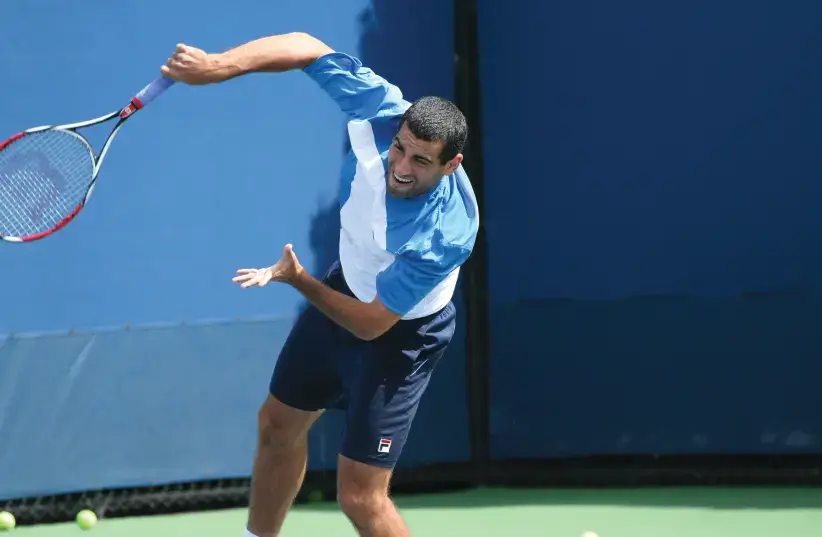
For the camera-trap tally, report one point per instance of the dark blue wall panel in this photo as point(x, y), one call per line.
point(652, 204)
point(205, 181)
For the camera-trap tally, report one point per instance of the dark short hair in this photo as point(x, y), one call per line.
point(434, 119)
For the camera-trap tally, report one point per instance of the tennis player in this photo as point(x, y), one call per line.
point(382, 316)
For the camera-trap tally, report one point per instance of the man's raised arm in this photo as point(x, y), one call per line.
point(356, 89)
point(273, 54)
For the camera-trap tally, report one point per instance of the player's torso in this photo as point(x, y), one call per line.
point(376, 227)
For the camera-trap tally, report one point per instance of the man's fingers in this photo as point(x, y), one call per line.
point(251, 281)
point(251, 277)
point(244, 275)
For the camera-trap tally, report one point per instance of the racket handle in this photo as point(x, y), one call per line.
point(153, 90)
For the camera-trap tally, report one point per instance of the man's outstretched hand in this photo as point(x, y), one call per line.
point(366, 320)
point(286, 270)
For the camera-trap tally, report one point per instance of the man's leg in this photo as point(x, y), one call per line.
point(363, 497)
point(304, 383)
point(279, 465)
point(385, 384)
point(378, 421)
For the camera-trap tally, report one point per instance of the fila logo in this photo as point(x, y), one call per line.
point(385, 445)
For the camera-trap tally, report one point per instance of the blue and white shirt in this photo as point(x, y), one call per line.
point(407, 252)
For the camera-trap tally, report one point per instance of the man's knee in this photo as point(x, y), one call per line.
point(362, 490)
point(281, 426)
point(361, 506)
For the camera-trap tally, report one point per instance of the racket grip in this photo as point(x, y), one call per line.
point(153, 90)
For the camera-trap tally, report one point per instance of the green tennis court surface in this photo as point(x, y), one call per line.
point(665, 512)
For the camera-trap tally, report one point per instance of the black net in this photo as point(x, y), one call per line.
point(131, 502)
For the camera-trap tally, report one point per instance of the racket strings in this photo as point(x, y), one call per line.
point(44, 176)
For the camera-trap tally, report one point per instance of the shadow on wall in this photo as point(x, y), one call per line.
point(394, 60)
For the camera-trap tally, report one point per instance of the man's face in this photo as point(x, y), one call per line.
point(414, 165)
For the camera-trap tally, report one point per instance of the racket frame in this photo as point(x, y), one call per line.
point(137, 103)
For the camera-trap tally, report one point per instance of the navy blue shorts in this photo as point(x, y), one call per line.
point(377, 383)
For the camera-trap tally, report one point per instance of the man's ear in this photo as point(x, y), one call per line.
point(452, 165)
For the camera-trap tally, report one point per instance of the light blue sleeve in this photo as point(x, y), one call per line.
point(357, 90)
point(412, 276)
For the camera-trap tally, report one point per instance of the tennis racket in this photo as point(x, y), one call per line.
point(47, 174)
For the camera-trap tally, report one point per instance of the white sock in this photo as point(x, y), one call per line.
point(249, 534)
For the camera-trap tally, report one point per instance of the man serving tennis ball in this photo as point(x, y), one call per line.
point(382, 316)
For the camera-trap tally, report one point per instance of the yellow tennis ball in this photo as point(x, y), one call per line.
point(86, 519)
point(7, 521)
point(315, 496)
point(589, 534)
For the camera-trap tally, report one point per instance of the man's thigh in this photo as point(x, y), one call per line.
point(304, 377)
point(385, 383)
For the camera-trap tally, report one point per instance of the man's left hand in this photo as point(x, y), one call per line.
point(286, 270)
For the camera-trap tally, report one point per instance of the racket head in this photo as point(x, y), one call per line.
point(46, 176)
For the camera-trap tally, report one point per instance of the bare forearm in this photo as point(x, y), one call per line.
point(355, 316)
point(273, 54)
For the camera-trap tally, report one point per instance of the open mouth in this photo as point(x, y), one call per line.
point(402, 181)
